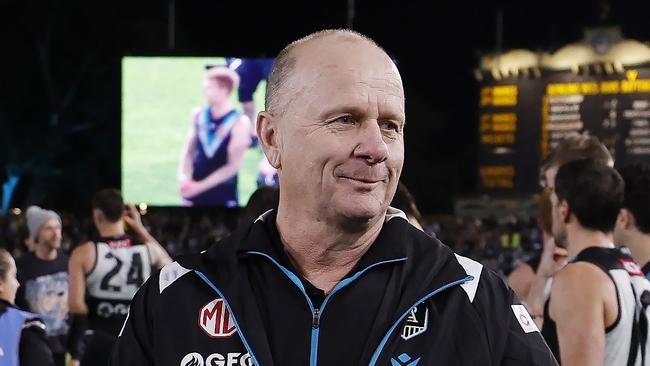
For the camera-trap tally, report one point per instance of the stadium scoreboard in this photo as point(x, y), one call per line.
point(522, 119)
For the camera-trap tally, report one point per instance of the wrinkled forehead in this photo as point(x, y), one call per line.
point(350, 70)
point(341, 81)
point(358, 57)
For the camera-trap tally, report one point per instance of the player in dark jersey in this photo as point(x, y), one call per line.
point(531, 279)
point(106, 273)
point(597, 308)
point(633, 223)
point(216, 142)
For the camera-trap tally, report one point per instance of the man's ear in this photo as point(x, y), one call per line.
point(98, 217)
point(626, 219)
point(565, 211)
point(267, 133)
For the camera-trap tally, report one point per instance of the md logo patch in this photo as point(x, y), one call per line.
point(215, 319)
point(404, 360)
point(417, 322)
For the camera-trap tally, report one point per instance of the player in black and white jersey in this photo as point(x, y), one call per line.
point(633, 223)
point(531, 279)
point(106, 273)
point(597, 311)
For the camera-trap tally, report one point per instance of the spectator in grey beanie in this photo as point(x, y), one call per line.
point(36, 218)
point(43, 275)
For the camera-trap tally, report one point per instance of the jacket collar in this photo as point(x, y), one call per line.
point(262, 236)
point(434, 262)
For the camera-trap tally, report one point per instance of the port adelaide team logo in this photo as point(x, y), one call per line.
point(417, 322)
point(216, 320)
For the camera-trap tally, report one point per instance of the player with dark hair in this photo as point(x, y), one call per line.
point(106, 273)
point(531, 278)
point(598, 304)
point(633, 223)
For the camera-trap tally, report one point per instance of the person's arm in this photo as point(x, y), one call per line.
point(536, 299)
point(159, 256)
point(577, 307)
point(81, 261)
point(34, 349)
point(134, 221)
point(521, 278)
point(548, 266)
point(185, 164)
point(240, 139)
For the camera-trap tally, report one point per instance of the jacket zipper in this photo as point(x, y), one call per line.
point(315, 331)
point(316, 320)
point(317, 313)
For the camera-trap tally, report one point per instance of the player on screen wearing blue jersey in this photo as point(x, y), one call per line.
point(217, 139)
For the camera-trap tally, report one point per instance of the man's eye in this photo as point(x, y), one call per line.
point(344, 119)
point(389, 125)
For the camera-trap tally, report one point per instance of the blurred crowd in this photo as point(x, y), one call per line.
point(498, 242)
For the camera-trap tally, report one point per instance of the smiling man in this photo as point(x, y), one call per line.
point(335, 276)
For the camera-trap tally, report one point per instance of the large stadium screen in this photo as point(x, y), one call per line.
point(186, 137)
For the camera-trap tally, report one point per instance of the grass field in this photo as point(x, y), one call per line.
point(158, 96)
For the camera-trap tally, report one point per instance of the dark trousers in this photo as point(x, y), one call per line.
point(59, 359)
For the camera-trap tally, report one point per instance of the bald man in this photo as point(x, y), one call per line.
point(335, 276)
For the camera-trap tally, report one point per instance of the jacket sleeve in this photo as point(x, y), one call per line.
point(34, 349)
point(524, 344)
point(134, 345)
point(513, 336)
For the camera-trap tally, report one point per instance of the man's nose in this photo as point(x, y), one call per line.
point(371, 147)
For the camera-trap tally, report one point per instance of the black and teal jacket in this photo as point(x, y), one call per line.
point(410, 302)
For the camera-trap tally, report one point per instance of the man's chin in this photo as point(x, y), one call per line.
point(361, 216)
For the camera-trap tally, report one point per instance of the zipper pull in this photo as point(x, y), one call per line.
point(316, 320)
